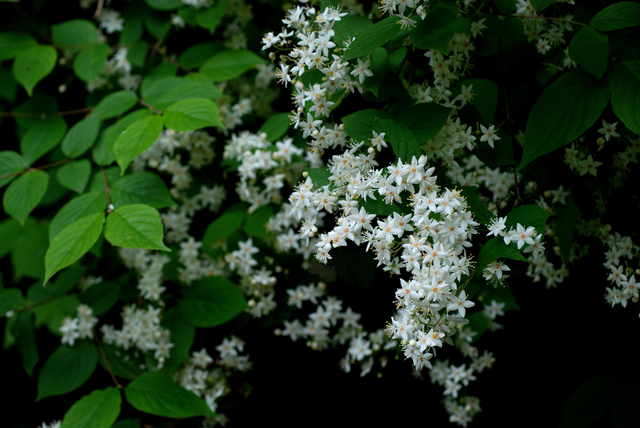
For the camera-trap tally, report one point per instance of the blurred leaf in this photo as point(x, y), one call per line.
point(74, 175)
point(191, 114)
point(211, 301)
point(67, 369)
point(100, 409)
point(34, 64)
point(228, 64)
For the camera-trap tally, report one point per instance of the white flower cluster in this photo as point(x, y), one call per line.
point(209, 378)
point(621, 275)
point(545, 33)
point(80, 327)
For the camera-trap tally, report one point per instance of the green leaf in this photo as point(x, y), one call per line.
point(211, 18)
point(75, 34)
point(88, 64)
point(256, 222)
point(227, 223)
point(101, 296)
point(528, 215)
point(127, 423)
point(320, 176)
point(191, 114)
point(211, 301)
point(29, 248)
point(276, 126)
point(404, 144)
point(496, 249)
point(590, 49)
point(625, 93)
point(373, 37)
point(500, 154)
point(77, 208)
point(81, 136)
point(157, 27)
point(10, 230)
point(10, 299)
point(100, 409)
point(74, 175)
point(135, 226)
point(616, 16)
point(10, 163)
point(23, 195)
point(151, 91)
point(196, 55)
point(424, 120)
point(137, 138)
point(359, 125)
point(34, 64)
point(479, 209)
point(72, 243)
point(379, 63)
point(505, 6)
point(378, 207)
point(13, 42)
point(24, 332)
point(485, 97)
point(188, 89)
point(540, 5)
point(157, 394)
point(8, 85)
point(164, 4)
point(228, 64)
point(436, 30)
point(182, 336)
point(115, 104)
point(42, 138)
point(141, 188)
point(103, 150)
point(67, 369)
point(126, 365)
point(566, 109)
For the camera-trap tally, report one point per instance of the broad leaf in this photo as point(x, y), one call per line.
point(479, 209)
point(67, 369)
point(566, 109)
point(436, 30)
point(211, 301)
point(616, 16)
point(34, 64)
point(72, 243)
point(23, 195)
point(188, 89)
point(540, 5)
point(182, 336)
point(137, 138)
point(77, 208)
point(13, 42)
point(74, 175)
point(191, 114)
point(590, 49)
point(373, 37)
point(88, 64)
point(227, 223)
point(528, 215)
point(320, 177)
point(276, 126)
point(23, 330)
point(42, 138)
point(10, 163)
point(359, 125)
point(81, 136)
point(103, 150)
point(141, 188)
point(496, 249)
point(625, 93)
point(135, 226)
point(75, 34)
point(115, 104)
point(404, 144)
point(424, 120)
point(256, 222)
point(100, 409)
point(157, 394)
point(229, 64)
point(211, 18)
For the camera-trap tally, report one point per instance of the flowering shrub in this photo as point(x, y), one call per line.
point(189, 184)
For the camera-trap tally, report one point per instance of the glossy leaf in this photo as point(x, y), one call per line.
point(74, 175)
point(24, 194)
point(67, 369)
point(72, 243)
point(373, 37)
point(211, 301)
point(590, 49)
point(566, 109)
point(135, 226)
point(157, 394)
point(34, 64)
point(141, 188)
point(191, 114)
point(137, 138)
point(100, 409)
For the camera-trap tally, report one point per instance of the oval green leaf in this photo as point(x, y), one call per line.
point(135, 226)
point(100, 409)
point(66, 369)
point(141, 188)
point(137, 138)
point(23, 195)
point(74, 175)
point(191, 114)
point(212, 301)
point(34, 64)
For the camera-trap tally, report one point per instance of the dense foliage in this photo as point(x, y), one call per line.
point(215, 210)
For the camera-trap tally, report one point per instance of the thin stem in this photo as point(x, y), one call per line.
point(549, 18)
point(106, 361)
point(57, 113)
point(107, 190)
point(51, 165)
